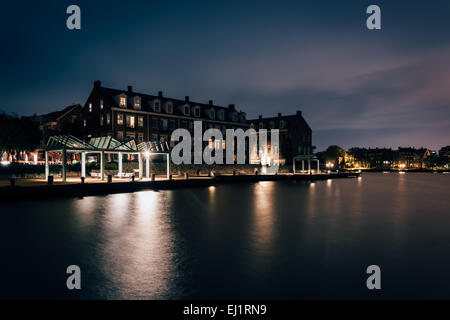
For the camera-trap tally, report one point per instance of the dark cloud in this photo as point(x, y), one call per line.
point(354, 86)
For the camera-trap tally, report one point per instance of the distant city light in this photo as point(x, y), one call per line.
point(4, 163)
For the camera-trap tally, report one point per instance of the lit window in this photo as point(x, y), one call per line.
point(84, 122)
point(108, 118)
point(90, 107)
point(101, 119)
point(123, 101)
point(140, 122)
point(101, 104)
point(120, 119)
point(137, 102)
point(130, 121)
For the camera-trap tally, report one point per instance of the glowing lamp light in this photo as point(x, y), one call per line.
point(4, 163)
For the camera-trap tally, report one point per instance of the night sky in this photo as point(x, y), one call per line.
point(356, 87)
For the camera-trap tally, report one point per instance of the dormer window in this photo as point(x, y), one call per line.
point(137, 102)
point(197, 111)
point(282, 124)
point(221, 115)
point(123, 101)
point(272, 125)
point(187, 110)
point(157, 106)
point(169, 107)
point(261, 125)
point(235, 117)
point(212, 114)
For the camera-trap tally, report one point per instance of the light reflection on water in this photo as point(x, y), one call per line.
point(264, 240)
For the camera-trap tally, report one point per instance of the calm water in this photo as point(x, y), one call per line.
point(275, 240)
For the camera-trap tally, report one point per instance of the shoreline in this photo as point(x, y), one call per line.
point(79, 190)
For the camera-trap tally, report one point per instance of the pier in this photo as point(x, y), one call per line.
point(73, 188)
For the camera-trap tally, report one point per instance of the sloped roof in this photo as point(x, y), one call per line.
point(108, 144)
point(154, 147)
point(67, 142)
point(109, 95)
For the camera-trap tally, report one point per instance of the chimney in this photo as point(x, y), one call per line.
point(130, 89)
point(186, 99)
point(299, 113)
point(210, 103)
point(160, 94)
point(97, 84)
point(279, 115)
point(231, 106)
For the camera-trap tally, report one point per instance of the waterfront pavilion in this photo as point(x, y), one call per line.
point(102, 146)
point(303, 159)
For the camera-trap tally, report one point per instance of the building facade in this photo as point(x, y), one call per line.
point(129, 114)
point(295, 136)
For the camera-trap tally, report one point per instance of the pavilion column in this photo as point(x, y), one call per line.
point(318, 167)
point(102, 165)
point(293, 165)
point(47, 168)
point(303, 165)
point(120, 162)
point(309, 166)
point(168, 166)
point(140, 165)
point(83, 164)
point(64, 160)
point(147, 165)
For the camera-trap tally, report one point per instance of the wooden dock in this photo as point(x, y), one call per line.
point(75, 189)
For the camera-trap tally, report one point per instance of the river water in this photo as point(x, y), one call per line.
point(266, 240)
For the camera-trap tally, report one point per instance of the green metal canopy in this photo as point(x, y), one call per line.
point(106, 144)
point(110, 144)
point(67, 142)
point(154, 147)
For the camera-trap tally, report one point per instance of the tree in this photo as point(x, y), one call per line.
point(18, 134)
